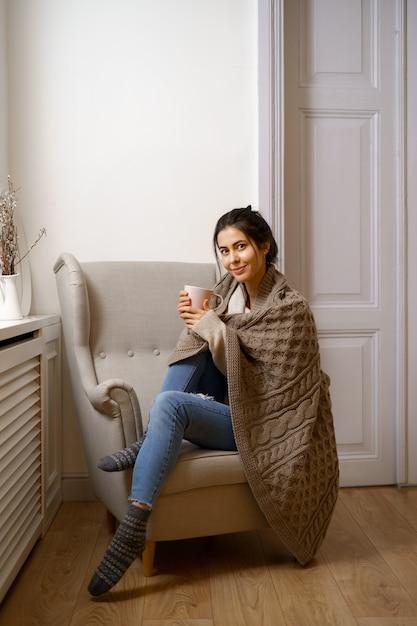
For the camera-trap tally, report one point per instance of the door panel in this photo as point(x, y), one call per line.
point(341, 210)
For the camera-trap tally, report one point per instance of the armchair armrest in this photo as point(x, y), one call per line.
point(118, 399)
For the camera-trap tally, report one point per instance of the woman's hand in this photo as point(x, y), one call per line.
point(190, 314)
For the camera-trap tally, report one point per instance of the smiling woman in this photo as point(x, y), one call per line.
point(243, 377)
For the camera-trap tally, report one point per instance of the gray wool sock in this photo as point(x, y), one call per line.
point(121, 460)
point(127, 544)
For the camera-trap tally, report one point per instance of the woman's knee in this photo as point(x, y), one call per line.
point(166, 403)
point(168, 413)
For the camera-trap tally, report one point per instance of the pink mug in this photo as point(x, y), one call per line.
point(199, 294)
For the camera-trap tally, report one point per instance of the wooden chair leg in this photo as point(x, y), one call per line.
point(111, 522)
point(148, 557)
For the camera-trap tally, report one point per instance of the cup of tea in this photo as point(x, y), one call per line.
point(198, 295)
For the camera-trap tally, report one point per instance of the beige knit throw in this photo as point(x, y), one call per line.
point(281, 411)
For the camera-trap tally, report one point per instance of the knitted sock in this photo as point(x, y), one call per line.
point(121, 460)
point(127, 544)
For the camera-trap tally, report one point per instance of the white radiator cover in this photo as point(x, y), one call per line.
point(26, 412)
point(20, 454)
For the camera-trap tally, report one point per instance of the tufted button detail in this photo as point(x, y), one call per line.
point(130, 353)
point(102, 355)
point(156, 352)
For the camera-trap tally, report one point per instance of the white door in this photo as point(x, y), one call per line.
point(342, 91)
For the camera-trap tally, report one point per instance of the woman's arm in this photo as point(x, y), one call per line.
point(207, 325)
point(191, 315)
point(213, 330)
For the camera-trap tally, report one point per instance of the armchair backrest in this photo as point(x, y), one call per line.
point(122, 315)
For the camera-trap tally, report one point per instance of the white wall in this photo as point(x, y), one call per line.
point(4, 135)
point(133, 127)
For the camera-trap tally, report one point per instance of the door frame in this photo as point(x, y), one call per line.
point(271, 117)
point(271, 198)
point(410, 306)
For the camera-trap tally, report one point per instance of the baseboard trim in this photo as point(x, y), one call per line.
point(77, 486)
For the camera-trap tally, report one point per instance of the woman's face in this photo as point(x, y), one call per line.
point(241, 257)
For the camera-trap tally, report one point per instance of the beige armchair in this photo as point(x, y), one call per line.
point(120, 324)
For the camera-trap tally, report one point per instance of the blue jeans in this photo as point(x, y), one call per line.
point(179, 413)
point(197, 374)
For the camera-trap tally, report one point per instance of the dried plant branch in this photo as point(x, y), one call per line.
point(9, 250)
point(41, 233)
point(8, 233)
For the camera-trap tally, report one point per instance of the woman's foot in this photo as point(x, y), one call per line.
point(121, 460)
point(127, 544)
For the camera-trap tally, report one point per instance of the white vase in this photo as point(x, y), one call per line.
point(10, 306)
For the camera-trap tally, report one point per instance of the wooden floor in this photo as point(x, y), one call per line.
point(365, 573)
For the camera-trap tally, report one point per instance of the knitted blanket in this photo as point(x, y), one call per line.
point(281, 411)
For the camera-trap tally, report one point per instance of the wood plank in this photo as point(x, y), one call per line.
point(181, 622)
point(366, 581)
point(51, 579)
point(241, 588)
point(388, 529)
point(400, 554)
point(178, 622)
point(179, 589)
point(387, 621)
point(404, 499)
point(372, 509)
point(78, 517)
point(307, 595)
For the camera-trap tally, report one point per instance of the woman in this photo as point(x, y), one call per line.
point(261, 346)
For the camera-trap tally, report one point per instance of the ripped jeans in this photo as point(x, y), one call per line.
point(179, 413)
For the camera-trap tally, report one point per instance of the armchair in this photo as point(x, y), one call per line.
point(120, 324)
